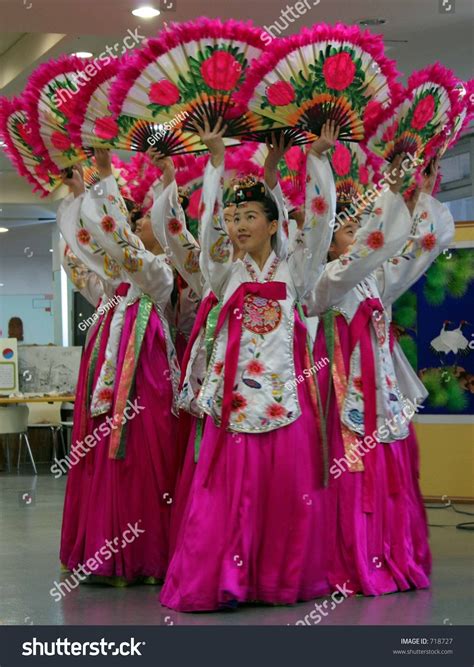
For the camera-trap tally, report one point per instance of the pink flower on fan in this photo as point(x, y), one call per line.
point(175, 226)
point(40, 172)
point(108, 224)
point(65, 105)
point(339, 71)
point(280, 93)
point(293, 158)
point(375, 240)
point(363, 174)
point(60, 141)
point(221, 71)
point(164, 93)
point(319, 205)
point(193, 210)
point(428, 242)
point(25, 132)
point(341, 160)
point(423, 113)
point(390, 131)
point(371, 111)
point(106, 128)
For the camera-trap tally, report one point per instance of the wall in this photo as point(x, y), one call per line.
point(26, 274)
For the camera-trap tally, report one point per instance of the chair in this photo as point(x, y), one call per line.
point(48, 416)
point(14, 420)
point(67, 413)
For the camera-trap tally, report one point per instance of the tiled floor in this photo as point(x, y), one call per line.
point(29, 542)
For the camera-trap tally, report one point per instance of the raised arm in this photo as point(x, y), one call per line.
point(169, 226)
point(432, 231)
point(84, 280)
point(309, 252)
point(79, 240)
point(216, 247)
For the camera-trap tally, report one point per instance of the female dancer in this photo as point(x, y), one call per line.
point(249, 529)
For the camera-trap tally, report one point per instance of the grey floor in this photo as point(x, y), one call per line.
point(30, 521)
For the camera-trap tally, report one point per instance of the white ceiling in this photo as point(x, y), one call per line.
point(33, 31)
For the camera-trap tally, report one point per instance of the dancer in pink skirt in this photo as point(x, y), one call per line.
point(250, 528)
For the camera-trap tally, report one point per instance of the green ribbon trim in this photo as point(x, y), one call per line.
point(198, 438)
point(93, 364)
point(329, 322)
point(211, 324)
point(145, 308)
point(324, 436)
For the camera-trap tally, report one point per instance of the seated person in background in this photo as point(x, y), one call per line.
point(15, 328)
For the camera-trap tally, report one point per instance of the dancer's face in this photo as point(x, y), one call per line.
point(252, 227)
point(343, 239)
point(144, 232)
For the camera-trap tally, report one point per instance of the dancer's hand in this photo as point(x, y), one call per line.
point(328, 138)
point(394, 175)
point(429, 179)
point(165, 163)
point(212, 138)
point(103, 162)
point(75, 182)
point(277, 147)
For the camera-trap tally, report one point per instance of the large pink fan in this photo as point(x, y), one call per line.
point(15, 130)
point(323, 73)
point(50, 98)
point(415, 122)
point(94, 124)
point(191, 71)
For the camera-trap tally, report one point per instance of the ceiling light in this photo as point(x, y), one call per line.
point(371, 22)
point(146, 12)
point(2, 284)
point(83, 54)
point(50, 250)
point(3, 230)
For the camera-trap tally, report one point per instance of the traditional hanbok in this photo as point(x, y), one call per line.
point(250, 527)
point(381, 538)
point(135, 462)
point(101, 282)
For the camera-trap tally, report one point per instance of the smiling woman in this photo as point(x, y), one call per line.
point(239, 205)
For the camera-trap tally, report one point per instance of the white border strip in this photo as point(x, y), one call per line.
point(444, 419)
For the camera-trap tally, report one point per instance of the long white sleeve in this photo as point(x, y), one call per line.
point(87, 251)
point(377, 240)
point(84, 280)
point(432, 232)
point(106, 220)
point(169, 226)
point(216, 247)
point(308, 255)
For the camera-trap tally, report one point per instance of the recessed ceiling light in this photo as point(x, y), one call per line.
point(2, 284)
point(3, 230)
point(146, 12)
point(83, 54)
point(371, 22)
point(50, 250)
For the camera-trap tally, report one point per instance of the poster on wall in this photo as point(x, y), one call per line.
point(48, 368)
point(435, 324)
point(8, 366)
